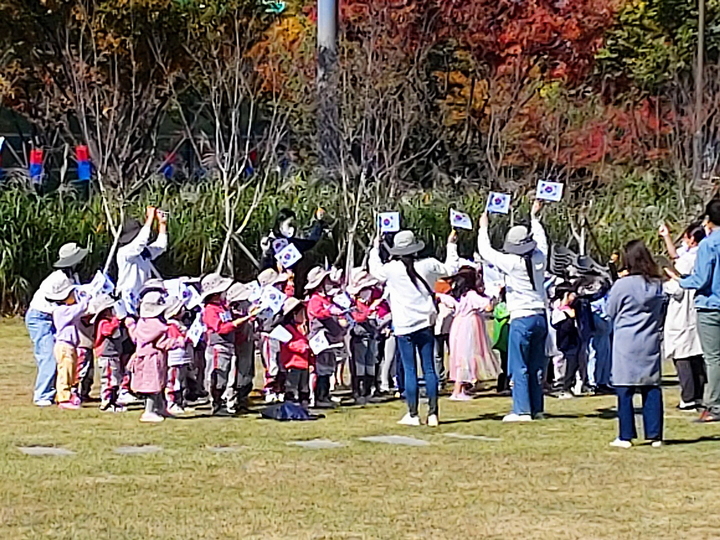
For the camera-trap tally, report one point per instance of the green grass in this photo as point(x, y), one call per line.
point(552, 479)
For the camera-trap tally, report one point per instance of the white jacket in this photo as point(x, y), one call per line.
point(412, 308)
point(681, 334)
point(523, 299)
point(134, 269)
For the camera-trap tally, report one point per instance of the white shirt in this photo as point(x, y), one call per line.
point(681, 339)
point(39, 300)
point(412, 308)
point(523, 299)
point(134, 269)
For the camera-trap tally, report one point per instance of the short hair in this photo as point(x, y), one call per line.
point(695, 231)
point(712, 211)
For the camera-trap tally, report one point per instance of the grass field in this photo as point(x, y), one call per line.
point(552, 479)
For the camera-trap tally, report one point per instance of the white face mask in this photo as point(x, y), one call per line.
point(287, 229)
point(685, 245)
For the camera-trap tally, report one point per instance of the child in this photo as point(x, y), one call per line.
point(568, 337)
point(180, 358)
point(149, 364)
point(295, 355)
point(269, 348)
point(243, 371)
point(471, 356)
point(501, 335)
point(86, 363)
point(66, 319)
point(221, 328)
point(364, 334)
point(108, 347)
point(322, 314)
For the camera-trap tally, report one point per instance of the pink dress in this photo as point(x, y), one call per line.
point(149, 363)
point(471, 356)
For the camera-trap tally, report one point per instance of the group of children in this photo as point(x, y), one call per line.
point(186, 348)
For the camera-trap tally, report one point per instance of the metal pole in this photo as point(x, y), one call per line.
point(328, 116)
point(699, 89)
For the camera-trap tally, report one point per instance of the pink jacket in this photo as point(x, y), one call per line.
point(149, 364)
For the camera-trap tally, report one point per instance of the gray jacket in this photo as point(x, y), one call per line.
point(637, 310)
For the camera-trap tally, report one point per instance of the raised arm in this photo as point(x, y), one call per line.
point(665, 234)
point(375, 264)
point(701, 276)
point(538, 231)
point(502, 261)
point(140, 242)
point(159, 246)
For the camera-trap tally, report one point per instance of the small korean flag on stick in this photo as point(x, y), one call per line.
point(549, 191)
point(389, 222)
point(458, 220)
point(498, 203)
point(319, 343)
point(289, 256)
point(279, 244)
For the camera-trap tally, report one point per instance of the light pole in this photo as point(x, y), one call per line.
point(327, 88)
point(699, 89)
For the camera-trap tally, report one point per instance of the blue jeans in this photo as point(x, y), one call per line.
point(40, 328)
point(652, 412)
point(526, 362)
point(600, 353)
point(424, 342)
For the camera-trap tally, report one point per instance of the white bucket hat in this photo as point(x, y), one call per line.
point(214, 284)
point(316, 277)
point(290, 305)
point(405, 243)
point(173, 306)
point(519, 241)
point(360, 280)
point(60, 289)
point(99, 304)
point(70, 255)
point(152, 305)
point(238, 292)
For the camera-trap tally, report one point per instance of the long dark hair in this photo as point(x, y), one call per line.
point(467, 279)
point(639, 261)
point(282, 215)
point(409, 262)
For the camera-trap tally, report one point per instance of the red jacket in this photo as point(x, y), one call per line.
point(318, 307)
point(295, 353)
point(218, 320)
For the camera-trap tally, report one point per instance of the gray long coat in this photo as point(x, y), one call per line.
point(637, 310)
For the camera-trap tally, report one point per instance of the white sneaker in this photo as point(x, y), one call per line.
point(151, 418)
point(619, 443)
point(512, 417)
point(657, 444)
point(432, 420)
point(44, 403)
point(175, 410)
point(126, 398)
point(270, 398)
point(336, 399)
point(566, 395)
point(408, 420)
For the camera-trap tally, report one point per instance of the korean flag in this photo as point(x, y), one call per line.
point(389, 222)
point(549, 191)
point(498, 203)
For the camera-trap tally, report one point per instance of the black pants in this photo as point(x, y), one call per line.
point(442, 343)
point(297, 385)
point(691, 374)
point(503, 382)
point(572, 366)
point(322, 389)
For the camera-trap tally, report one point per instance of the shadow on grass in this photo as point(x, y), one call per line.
point(673, 442)
point(603, 414)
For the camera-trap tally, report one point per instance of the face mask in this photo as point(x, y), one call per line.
point(685, 245)
point(287, 229)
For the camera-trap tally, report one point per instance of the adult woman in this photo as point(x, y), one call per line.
point(39, 323)
point(136, 254)
point(636, 306)
point(682, 341)
point(284, 232)
point(410, 284)
point(523, 264)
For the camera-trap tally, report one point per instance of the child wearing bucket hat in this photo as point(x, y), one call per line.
point(295, 355)
point(523, 262)
point(149, 364)
point(221, 328)
point(108, 344)
point(180, 357)
point(242, 372)
point(364, 334)
point(323, 316)
point(66, 319)
point(410, 285)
